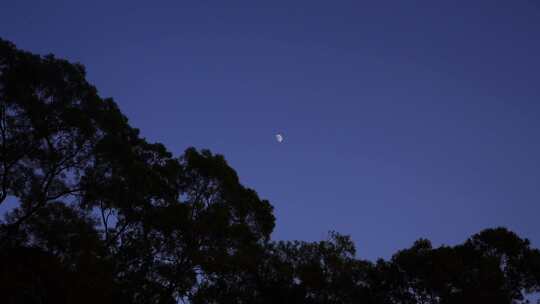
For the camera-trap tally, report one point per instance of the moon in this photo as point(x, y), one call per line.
point(279, 138)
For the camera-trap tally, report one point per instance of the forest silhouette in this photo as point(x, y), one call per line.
point(104, 216)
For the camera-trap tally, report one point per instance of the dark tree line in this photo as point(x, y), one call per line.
point(103, 216)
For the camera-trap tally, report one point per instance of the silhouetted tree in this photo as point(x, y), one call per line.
point(106, 217)
point(165, 224)
point(51, 121)
point(56, 257)
point(494, 266)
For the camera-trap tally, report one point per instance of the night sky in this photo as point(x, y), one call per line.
point(402, 119)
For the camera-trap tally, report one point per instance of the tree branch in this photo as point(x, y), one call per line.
point(105, 226)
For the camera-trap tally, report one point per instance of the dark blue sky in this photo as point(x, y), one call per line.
point(402, 119)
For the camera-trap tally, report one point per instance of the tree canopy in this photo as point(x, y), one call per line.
point(105, 216)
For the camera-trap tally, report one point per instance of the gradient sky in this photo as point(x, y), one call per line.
point(402, 119)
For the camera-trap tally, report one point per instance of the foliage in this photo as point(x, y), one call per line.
point(105, 216)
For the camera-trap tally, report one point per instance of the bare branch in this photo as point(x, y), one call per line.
point(104, 219)
point(63, 193)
